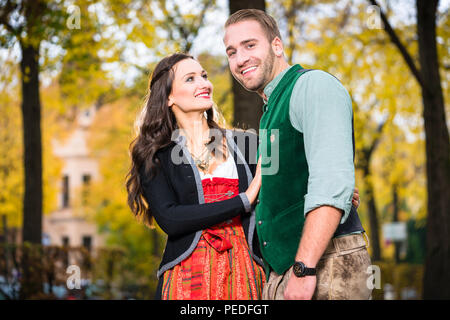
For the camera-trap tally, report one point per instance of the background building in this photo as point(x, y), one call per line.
point(66, 226)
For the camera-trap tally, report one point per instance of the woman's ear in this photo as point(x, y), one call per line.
point(170, 101)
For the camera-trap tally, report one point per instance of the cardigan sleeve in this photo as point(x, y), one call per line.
point(177, 219)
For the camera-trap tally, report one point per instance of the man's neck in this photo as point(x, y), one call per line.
point(278, 68)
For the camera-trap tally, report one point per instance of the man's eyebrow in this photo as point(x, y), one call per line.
point(242, 43)
point(248, 40)
point(229, 48)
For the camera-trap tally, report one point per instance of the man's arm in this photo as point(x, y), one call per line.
point(320, 225)
point(321, 109)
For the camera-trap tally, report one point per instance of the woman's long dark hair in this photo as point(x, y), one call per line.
point(155, 132)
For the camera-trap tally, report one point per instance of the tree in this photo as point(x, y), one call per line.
point(247, 105)
point(437, 146)
point(27, 32)
point(35, 28)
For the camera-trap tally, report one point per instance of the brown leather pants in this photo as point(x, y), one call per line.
point(341, 272)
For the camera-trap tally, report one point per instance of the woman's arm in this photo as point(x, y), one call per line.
point(177, 219)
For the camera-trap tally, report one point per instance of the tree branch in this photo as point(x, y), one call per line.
point(376, 140)
point(394, 38)
point(4, 13)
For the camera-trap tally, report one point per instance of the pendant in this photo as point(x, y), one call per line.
point(202, 165)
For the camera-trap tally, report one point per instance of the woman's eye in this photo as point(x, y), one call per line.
point(189, 79)
point(205, 76)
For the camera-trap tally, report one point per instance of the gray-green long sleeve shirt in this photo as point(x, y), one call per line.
point(321, 108)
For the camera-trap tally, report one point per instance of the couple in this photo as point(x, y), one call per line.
point(235, 232)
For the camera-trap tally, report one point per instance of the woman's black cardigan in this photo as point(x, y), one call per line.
point(175, 198)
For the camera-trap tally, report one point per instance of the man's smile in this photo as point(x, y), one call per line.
point(248, 70)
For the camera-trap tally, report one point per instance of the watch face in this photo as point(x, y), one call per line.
point(299, 269)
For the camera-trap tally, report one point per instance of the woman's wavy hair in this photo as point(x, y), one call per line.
point(154, 127)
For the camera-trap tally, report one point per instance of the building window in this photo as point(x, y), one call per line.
point(86, 179)
point(87, 242)
point(65, 192)
point(85, 189)
point(65, 241)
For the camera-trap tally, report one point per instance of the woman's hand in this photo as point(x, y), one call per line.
point(355, 199)
point(255, 185)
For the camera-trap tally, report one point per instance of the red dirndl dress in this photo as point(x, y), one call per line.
point(221, 266)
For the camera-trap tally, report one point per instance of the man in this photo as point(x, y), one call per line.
point(311, 238)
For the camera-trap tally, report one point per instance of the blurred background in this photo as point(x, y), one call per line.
point(74, 75)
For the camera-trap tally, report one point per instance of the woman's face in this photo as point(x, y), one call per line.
point(191, 89)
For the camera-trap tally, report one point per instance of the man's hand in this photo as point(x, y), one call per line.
point(300, 288)
point(355, 199)
point(320, 224)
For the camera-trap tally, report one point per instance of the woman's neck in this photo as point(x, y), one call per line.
point(195, 128)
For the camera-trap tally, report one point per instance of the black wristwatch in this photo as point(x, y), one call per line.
point(300, 270)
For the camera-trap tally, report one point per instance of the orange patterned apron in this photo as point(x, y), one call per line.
point(221, 266)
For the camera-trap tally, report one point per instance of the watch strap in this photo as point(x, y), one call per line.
point(301, 270)
point(310, 271)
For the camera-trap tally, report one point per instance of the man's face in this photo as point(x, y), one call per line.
point(250, 54)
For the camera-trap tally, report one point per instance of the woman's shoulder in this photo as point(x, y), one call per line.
point(166, 149)
point(160, 159)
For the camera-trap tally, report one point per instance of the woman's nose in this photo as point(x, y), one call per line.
point(205, 83)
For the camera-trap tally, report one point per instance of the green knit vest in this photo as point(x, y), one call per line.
point(279, 213)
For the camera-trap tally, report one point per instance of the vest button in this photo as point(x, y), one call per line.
point(260, 222)
point(257, 200)
point(265, 244)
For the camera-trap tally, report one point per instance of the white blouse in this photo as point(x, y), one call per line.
point(226, 169)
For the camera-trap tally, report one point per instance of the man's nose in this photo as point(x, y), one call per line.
point(241, 59)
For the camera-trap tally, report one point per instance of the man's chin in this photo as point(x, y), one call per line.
point(249, 86)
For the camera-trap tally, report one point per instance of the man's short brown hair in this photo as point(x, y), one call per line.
point(268, 23)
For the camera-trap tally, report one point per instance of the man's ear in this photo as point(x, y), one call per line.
point(277, 47)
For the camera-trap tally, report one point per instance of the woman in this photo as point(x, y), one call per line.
point(191, 176)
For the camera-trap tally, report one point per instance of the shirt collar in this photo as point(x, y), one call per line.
point(273, 84)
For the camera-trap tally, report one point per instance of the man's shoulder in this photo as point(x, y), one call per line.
point(313, 87)
point(317, 82)
point(317, 76)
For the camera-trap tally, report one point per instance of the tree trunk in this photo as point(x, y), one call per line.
point(31, 282)
point(395, 211)
point(373, 218)
point(247, 105)
point(437, 264)
point(31, 113)
point(364, 165)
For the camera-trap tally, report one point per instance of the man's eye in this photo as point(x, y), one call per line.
point(189, 79)
point(231, 53)
point(205, 76)
point(251, 45)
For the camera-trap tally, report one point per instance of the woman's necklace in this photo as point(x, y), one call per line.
point(202, 161)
